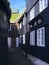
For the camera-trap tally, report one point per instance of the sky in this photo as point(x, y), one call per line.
point(17, 4)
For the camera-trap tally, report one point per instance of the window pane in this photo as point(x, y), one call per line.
point(32, 38)
point(32, 13)
point(41, 37)
point(42, 5)
point(38, 36)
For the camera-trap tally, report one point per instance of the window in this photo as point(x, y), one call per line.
point(32, 13)
point(32, 38)
point(23, 38)
point(20, 25)
point(41, 37)
point(42, 5)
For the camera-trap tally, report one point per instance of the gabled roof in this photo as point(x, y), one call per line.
point(14, 17)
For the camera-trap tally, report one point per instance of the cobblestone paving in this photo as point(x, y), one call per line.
point(16, 57)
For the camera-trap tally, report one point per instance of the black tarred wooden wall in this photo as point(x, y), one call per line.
point(37, 51)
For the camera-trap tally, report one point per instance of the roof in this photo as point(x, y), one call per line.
point(14, 16)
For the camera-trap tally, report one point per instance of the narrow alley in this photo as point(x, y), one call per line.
point(24, 32)
point(16, 57)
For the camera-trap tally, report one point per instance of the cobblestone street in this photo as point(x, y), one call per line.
point(16, 57)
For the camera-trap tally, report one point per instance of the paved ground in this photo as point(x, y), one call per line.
point(16, 57)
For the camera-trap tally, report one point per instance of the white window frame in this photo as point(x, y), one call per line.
point(32, 38)
point(32, 13)
point(41, 37)
point(23, 38)
point(43, 4)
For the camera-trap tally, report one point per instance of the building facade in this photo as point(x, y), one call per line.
point(37, 17)
point(5, 14)
point(22, 31)
point(35, 40)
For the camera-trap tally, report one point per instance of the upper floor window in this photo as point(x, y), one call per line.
point(32, 13)
point(42, 5)
point(41, 37)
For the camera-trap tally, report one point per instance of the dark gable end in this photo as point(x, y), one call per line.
point(5, 7)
